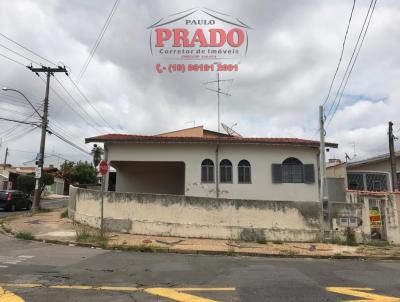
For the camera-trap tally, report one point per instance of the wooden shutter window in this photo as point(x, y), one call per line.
point(309, 173)
point(276, 173)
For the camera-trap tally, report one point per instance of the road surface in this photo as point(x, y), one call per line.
point(46, 203)
point(36, 271)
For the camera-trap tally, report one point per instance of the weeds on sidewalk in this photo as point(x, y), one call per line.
point(4, 226)
point(86, 234)
point(64, 214)
point(144, 248)
point(24, 236)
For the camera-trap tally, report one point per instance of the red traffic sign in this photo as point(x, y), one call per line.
point(103, 167)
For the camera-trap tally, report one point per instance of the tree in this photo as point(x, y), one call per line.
point(84, 173)
point(66, 171)
point(26, 183)
point(97, 153)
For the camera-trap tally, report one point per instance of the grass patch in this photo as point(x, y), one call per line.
point(64, 214)
point(86, 234)
point(24, 236)
point(288, 252)
point(43, 210)
point(231, 251)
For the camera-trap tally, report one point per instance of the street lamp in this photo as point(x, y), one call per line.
point(38, 176)
point(17, 91)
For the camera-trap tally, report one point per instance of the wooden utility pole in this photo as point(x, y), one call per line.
point(5, 159)
point(392, 158)
point(39, 179)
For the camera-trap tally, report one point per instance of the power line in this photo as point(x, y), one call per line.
point(67, 134)
point(18, 54)
point(90, 103)
point(17, 121)
point(351, 61)
point(352, 66)
point(15, 61)
point(20, 135)
point(79, 106)
point(70, 107)
point(98, 40)
point(27, 49)
point(341, 54)
point(69, 142)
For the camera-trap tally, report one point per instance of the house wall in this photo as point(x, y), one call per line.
point(151, 177)
point(200, 217)
point(261, 158)
point(382, 166)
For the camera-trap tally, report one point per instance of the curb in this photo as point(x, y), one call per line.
point(140, 249)
point(150, 249)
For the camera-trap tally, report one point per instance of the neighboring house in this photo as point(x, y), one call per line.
point(372, 174)
point(204, 163)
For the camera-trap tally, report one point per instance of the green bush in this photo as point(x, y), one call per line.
point(350, 237)
point(26, 183)
point(24, 235)
point(64, 214)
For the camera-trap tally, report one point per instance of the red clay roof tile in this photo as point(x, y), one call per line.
point(222, 140)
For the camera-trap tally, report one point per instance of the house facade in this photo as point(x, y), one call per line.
point(372, 174)
point(202, 163)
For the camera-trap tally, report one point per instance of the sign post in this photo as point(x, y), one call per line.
point(103, 168)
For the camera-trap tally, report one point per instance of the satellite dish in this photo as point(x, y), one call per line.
point(230, 131)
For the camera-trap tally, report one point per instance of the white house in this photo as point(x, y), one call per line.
point(202, 163)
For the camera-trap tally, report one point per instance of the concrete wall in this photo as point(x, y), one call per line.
point(261, 158)
point(170, 215)
point(151, 177)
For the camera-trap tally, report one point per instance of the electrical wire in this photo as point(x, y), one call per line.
point(18, 54)
point(70, 107)
point(20, 135)
point(341, 54)
point(68, 142)
point(27, 49)
point(98, 40)
point(67, 134)
point(15, 61)
point(78, 104)
point(362, 31)
point(17, 121)
point(352, 66)
point(90, 103)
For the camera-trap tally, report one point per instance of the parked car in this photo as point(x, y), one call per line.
point(12, 200)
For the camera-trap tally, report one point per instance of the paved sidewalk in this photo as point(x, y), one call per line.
point(50, 227)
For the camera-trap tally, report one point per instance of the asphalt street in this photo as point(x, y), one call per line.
point(46, 203)
point(36, 271)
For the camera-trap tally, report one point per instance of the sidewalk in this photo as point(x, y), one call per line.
point(50, 227)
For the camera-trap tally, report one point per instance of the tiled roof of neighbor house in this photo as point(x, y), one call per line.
point(374, 159)
point(189, 139)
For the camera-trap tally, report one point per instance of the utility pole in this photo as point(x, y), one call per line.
point(322, 168)
point(39, 180)
point(5, 159)
point(392, 158)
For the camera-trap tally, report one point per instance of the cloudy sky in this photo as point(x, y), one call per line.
point(294, 47)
